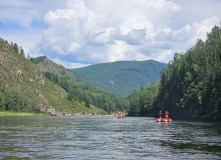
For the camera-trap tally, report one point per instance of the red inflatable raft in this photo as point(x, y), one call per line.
point(164, 120)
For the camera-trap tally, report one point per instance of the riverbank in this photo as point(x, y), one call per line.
point(8, 113)
point(11, 113)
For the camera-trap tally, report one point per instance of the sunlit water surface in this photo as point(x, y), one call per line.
point(107, 138)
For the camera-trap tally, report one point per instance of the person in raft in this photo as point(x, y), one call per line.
point(159, 114)
point(166, 115)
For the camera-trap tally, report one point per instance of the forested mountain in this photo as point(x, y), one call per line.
point(191, 84)
point(24, 87)
point(189, 87)
point(120, 78)
point(78, 91)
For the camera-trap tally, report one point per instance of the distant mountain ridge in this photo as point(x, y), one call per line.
point(122, 77)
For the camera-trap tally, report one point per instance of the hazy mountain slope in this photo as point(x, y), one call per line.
point(120, 78)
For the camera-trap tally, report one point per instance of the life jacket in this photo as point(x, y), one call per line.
point(166, 114)
point(160, 113)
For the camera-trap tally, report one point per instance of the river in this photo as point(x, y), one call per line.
point(107, 138)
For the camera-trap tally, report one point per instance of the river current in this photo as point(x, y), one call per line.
point(107, 138)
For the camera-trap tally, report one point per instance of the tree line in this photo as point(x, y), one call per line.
point(37, 59)
point(89, 95)
point(17, 49)
point(143, 101)
point(11, 100)
point(191, 84)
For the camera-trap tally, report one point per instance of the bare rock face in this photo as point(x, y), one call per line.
point(42, 81)
point(49, 110)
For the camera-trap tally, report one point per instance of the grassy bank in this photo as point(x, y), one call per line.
point(8, 113)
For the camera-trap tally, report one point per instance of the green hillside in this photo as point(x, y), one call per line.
point(120, 78)
point(24, 88)
point(47, 65)
point(78, 91)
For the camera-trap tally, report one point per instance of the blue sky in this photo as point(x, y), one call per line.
point(77, 33)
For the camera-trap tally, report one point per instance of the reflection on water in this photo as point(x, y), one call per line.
point(107, 138)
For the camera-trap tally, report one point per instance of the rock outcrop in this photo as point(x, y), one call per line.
point(49, 110)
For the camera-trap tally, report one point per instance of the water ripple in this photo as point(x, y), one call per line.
point(107, 138)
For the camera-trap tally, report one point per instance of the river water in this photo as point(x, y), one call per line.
point(107, 138)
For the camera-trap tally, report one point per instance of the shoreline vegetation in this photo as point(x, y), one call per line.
point(10, 113)
point(24, 114)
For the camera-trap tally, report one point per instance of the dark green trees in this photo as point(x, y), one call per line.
point(143, 102)
point(16, 48)
point(191, 85)
point(22, 51)
point(37, 59)
point(11, 100)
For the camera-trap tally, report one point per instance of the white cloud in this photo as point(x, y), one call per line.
point(119, 51)
point(113, 31)
point(171, 41)
point(85, 31)
point(203, 27)
point(18, 12)
point(135, 36)
point(21, 21)
point(197, 30)
point(73, 47)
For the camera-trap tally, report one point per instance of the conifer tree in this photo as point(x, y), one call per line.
point(22, 51)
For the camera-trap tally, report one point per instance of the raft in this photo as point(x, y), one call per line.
point(121, 117)
point(163, 120)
